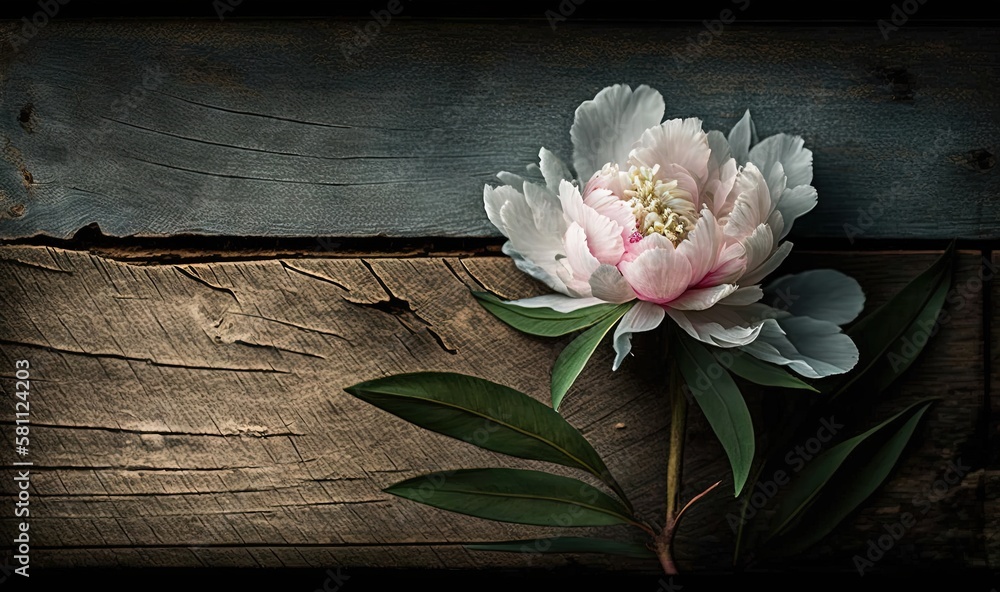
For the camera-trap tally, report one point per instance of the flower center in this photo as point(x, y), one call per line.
point(659, 207)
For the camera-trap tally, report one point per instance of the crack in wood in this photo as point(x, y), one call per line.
point(289, 324)
point(315, 276)
point(277, 348)
point(119, 430)
point(149, 361)
point(200, 280)
point(400, 308)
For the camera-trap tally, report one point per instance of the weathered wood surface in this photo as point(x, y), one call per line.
point(270, 129)
point(991, 506)
point(193, 414)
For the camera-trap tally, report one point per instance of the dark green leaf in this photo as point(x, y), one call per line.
point(904, 351)
point(571, 361)
point(515, 495)
point(486, 414)
point(545, 322)
point(721, 402)
point(820, 499)
point(569, 545)
point(879, 333)
point(757, 371)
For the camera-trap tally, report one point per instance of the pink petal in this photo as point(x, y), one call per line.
point(702, 246)
point(603, 235)
point(658, 275)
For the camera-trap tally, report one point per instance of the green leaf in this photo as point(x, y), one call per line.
point(828, 490)
point(880, 333)
point(759, 372)
point(545, 322)
point(904, 351)
point(571, 361)
point(515, 495)
point(485, 414)
point(721, 402)
point(569, 545)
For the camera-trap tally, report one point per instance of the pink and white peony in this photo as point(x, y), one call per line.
point(686, 223)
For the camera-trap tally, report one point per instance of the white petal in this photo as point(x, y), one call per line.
point(557, 302)
point(536, 236)
point(553, 169)
point(744, 296)
point(644, 316)
point(721, 151)
point(702, 298)
point(494, 199)
point(795, 202)
point(580, 263)
point(752, 205)
point(757, 248)
point(608, 284)
point(677, 142)
point(545, 207)
point(605, 128)
point(740, 137)
point(810, 347)
point(789, 151)
point(823, 294)
point(702, 246)
point(546, 276)
point(721, 326)
point(764, 269)
point(776, 182)
point(515, 181)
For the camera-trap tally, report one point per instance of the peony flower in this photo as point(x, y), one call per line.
point(685, 223)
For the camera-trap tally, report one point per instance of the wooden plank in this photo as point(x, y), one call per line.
point(271, 129)
point(192, 414)
point(991, 504)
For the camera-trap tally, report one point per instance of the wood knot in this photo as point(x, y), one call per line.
point(982, 159)
point(900, 83)
point(25, 118)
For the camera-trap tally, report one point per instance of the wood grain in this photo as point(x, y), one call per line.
point(271, 129)
point(991, 506)
point(188, 415)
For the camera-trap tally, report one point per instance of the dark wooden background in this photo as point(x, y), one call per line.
point(211, 227)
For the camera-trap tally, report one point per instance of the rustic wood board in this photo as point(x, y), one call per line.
point(190, 415)
point(991, 506)
point(159, 128)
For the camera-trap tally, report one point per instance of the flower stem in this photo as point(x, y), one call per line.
point(678, 423)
